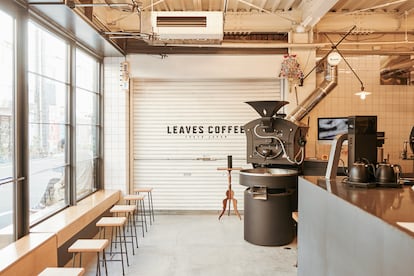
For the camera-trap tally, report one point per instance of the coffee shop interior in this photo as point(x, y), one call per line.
point(204, 137)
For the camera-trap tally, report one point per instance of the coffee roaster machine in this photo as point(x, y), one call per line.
point(276, 149)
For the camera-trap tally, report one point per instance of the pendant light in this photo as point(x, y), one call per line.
point(362, 94)
point(334, 57)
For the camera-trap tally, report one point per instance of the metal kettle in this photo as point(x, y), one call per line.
point(387, 173)
point(361, 172)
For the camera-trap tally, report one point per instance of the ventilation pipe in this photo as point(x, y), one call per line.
point(331, 80)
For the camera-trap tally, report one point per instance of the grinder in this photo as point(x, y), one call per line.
point(273, 141)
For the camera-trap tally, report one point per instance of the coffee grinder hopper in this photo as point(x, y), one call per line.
point(267, 108)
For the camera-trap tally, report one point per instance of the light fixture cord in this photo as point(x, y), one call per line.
point(333, 47)
point(353, 71)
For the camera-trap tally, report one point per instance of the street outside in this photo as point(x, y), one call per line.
point(38, 185)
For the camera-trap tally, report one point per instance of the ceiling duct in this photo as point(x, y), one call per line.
point(323, 89)
point(184, 27)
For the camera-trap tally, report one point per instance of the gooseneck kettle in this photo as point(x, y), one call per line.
point(387, 173)
point(361, 172)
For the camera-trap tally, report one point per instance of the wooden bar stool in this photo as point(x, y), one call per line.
point(127, 211)
point(62, 271)
point(90, 246)
point(147, 190)
point(139, 203)
point(117, 225)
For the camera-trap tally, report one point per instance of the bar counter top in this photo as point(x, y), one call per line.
point(345, 230)
point(392, 205)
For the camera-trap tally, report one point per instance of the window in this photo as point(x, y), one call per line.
point(7, 88)
point(87, 123)
point(48, 122)
point(49, 152)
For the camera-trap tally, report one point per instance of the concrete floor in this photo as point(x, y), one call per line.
point(181, 245)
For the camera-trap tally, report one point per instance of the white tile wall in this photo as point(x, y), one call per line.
point(116, 127)
point(393, 104)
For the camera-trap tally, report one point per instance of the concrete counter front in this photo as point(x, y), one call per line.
point(354, 231)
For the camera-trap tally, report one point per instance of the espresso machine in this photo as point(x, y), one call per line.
point(276, 150)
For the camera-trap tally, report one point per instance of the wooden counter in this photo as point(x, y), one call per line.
point(68, 222)
point(354, 231)
point(29, 255)
point(39, 249)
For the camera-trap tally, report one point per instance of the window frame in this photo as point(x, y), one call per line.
point(22, 15)
point(97, 125)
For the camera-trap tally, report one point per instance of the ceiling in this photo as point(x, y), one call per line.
point(382, 26)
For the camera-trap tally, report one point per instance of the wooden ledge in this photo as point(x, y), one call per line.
point(29, 255)
point(70, 221)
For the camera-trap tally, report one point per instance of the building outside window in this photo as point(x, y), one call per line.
point(48, 122)
point(7, 89)
point(49, 152)
point(87, 123)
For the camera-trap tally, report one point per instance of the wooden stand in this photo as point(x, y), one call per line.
point(229, 194)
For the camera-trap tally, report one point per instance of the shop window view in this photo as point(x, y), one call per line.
point(50, 142)
point(87, 123)
point(7, 178)
point(49, 94)
point(48, 122)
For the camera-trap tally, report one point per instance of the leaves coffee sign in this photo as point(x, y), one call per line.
point(204, 131)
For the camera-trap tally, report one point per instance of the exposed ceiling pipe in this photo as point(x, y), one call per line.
point(270, 44)
point(329, 83)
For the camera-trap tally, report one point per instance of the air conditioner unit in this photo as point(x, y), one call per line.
point(187, 27)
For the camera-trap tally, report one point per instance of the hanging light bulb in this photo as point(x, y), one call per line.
point(362, 94)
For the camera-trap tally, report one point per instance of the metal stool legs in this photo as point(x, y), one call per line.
point(150, 201)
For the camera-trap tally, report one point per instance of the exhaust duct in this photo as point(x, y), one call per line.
point(329, 83)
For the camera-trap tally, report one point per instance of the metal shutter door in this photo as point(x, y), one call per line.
point(183, 131)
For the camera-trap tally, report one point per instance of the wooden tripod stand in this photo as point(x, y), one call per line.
point(229, 194)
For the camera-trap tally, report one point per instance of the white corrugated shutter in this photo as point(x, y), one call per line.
point(183, 131)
